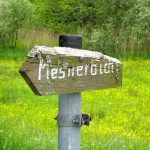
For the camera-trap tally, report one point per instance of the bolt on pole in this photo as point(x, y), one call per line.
point(69, 116)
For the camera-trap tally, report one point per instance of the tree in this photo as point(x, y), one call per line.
point(13, 15)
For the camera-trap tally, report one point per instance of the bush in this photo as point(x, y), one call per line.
point(13, 15)
point(125, 30)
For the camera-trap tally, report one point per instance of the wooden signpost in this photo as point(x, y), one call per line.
point(67, 71)
point(61, 70)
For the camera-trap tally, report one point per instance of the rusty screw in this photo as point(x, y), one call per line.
point(102, 58)
point(81, 59)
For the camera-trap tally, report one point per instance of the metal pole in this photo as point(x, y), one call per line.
point(69, 106)
point(69, 136)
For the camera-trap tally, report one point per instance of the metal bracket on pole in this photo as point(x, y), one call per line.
point(73, 120)
point(69, 120)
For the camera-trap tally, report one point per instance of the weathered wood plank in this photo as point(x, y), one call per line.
point(67, 70)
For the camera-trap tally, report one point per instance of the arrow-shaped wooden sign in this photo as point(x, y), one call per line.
point(61, 70)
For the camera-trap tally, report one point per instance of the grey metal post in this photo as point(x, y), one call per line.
point(69, 106)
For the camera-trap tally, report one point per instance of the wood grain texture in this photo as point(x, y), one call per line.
point(60, 70)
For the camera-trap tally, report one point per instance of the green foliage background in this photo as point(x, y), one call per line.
point(114, 27)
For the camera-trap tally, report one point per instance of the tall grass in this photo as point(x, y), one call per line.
point(96, 40)
point(118, 45)
point(31, 37)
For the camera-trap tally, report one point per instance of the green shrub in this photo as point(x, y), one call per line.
point(13, 15)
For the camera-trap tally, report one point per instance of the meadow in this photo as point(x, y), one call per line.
point(120, 117)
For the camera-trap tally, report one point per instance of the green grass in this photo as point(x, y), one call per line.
point(120, 117)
